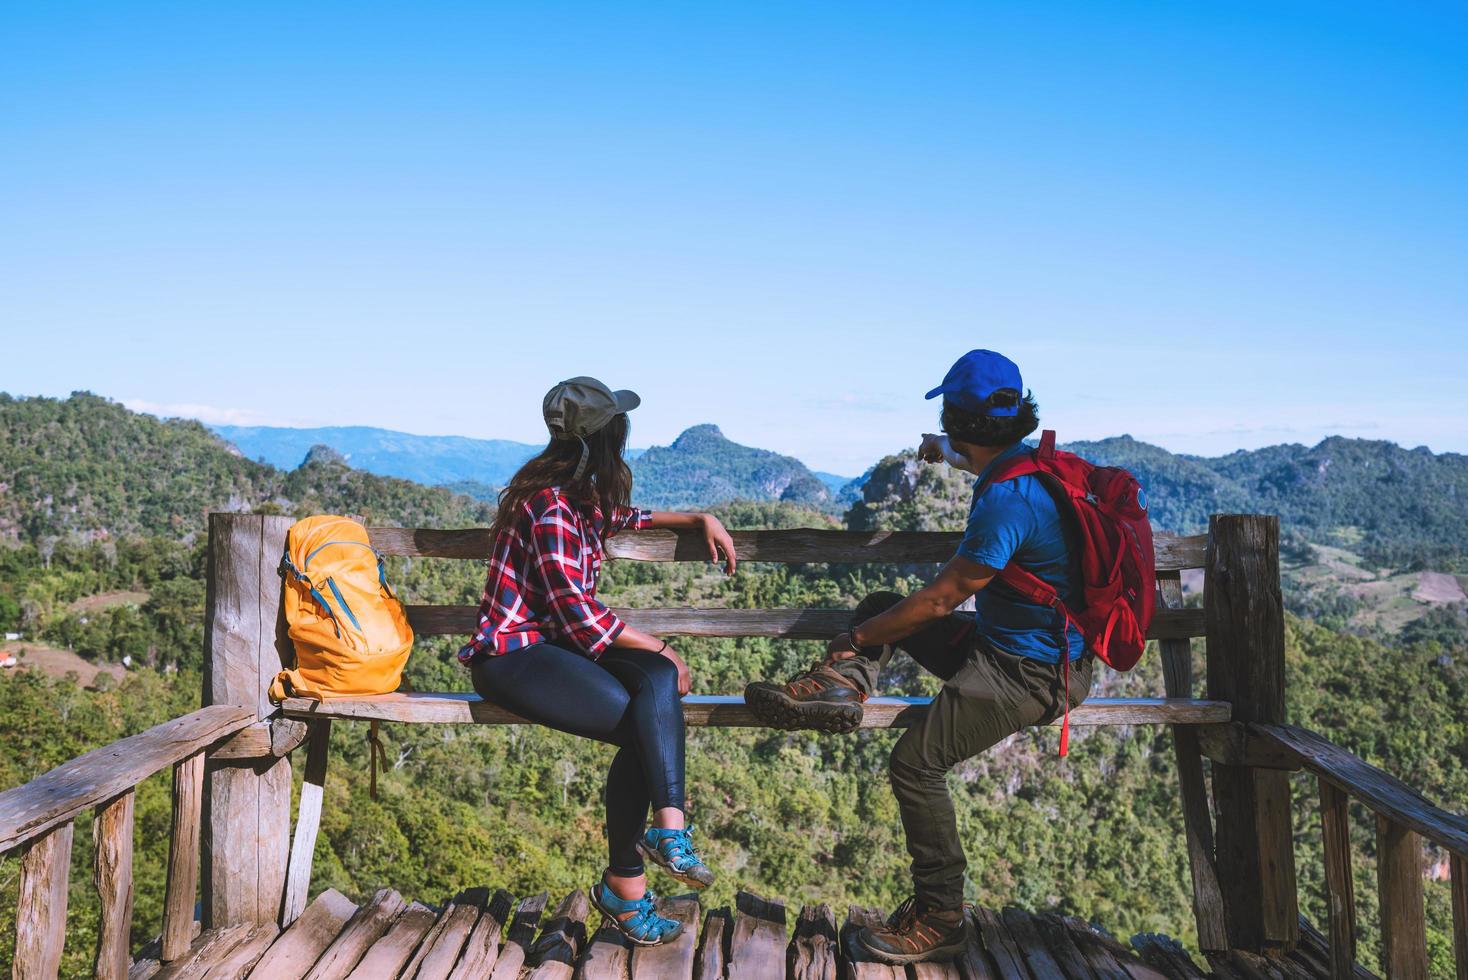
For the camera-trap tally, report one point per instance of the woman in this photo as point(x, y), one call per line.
point(551, 652)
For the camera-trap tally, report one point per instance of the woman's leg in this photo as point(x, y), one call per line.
point(572, 693)
point(654, 727)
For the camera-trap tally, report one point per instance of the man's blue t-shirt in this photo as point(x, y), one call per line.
point(1017, 521)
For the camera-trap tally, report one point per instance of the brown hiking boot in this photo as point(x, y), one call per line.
point(913, 936)
point(820, 698)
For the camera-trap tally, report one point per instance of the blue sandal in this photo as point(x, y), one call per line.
point(673, 851)
point(644, 927)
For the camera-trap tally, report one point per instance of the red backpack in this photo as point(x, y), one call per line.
point(1105, 510)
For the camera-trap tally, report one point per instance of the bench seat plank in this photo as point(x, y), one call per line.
point(729, 711)
point(785, 624)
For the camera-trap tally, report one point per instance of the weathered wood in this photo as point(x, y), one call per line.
point(275, 737)
point(1340, 893)
point(1245, 651)
point(247, 840)
point(430, 939)
point(519, 937)
point(365, 927)
point(713, 943)
point(1167, 954)
point(729, 711)
point(1177, 669)
point(757, 944)
point(1009, 961)
point(856, 962)
point(40, 909)
point(436, 960)
point(56, 797)
point(786, 624)
point(183, 857)
point(112, 835)
point(798, 545)
point(1459, 870)
point(1057, 938)
point(145, 960)
point(386, 957)
point(812, 953)
point(674, 960)
point(975, 963)
point(553, 957)
point(213, 947)
point(482, 947)
point(1037, 955)
point(946, 970)
point(1235, 744)
point(1399, 888)
point(299, 946)
point(1107, 956)
point(238, 962)
point(607, 956)
point(308, 822)
point(1379, 790)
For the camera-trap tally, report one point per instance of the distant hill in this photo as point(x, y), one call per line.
point(85, 467)
point(429, 460)
point(702, 467)
point(1396, 507)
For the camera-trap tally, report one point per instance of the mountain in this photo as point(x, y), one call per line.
point(702, 468)
point(1392, 506)
point(86, 468)
point(423, 459)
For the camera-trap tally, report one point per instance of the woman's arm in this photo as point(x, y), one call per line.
point(714, 535)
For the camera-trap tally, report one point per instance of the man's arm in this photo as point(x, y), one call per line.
point(958, 580)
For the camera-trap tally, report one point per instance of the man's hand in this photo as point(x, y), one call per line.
point(685, 678)
point(718, 540)
point(840, 648)
point(931, 448)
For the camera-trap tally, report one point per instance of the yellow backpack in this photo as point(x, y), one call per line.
point(349, 629)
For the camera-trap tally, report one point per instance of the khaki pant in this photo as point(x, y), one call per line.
point(987, 696)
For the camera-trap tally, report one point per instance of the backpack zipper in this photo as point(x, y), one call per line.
point(326, 544)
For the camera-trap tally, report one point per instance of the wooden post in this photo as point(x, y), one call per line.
point(183, 858)
point(112, 831)
point(246, 832)
point(1399, 887)
point(308, 822)
point(1459, 868)
point(40, 910)
point(1340, 892)
point(1177, 669)
point(1245, 646)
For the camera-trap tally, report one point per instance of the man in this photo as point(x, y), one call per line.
point(1001, 665)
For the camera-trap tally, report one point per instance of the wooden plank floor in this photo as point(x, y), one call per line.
point(482, 933)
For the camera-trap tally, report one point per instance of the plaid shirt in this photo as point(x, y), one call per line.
point(542, 579)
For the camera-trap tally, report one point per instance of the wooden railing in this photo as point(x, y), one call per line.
point(38, 817)
point(232, 828)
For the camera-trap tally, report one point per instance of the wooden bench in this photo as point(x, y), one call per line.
point(232, 835)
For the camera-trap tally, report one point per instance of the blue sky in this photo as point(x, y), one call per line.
point(1211, 226)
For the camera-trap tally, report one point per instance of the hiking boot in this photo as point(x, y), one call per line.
point(821, 698)
point(912, 935)
point(673, 851)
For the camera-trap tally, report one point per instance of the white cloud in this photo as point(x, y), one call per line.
point(208, 414)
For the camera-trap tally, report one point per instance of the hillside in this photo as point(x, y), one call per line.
point(86, 468)
point(703, 467)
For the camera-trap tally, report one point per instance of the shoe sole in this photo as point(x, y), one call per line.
point(655, 856)
point(620, 926)
point(938, 954)
point(777, 709)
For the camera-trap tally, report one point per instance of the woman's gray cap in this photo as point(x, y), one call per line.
point(576, 408)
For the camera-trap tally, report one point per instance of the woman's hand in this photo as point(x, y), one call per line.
point(718, 540)
point(685, 679)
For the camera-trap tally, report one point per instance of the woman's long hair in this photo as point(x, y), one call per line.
point(606, 481)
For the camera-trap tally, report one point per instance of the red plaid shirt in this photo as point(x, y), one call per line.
point(542, 579)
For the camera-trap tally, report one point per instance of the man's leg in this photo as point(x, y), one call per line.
point(828, 697)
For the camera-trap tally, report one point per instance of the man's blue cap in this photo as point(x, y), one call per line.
point(977, 375)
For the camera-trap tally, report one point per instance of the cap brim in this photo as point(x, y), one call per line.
point(626, 400)
point(940, 390)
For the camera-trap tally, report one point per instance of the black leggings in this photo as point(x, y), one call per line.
point(628, 698)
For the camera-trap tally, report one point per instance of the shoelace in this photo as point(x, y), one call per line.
point(644, 920)
point(678, 847)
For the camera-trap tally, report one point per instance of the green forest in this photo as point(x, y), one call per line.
point(97, 501)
